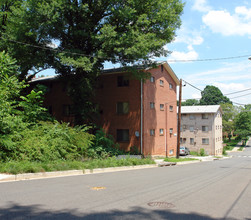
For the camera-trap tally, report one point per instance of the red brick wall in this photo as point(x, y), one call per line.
point(107, 97)
point(156, 118)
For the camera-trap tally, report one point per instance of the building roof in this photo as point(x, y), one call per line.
point(120, 70)
point(200, 109)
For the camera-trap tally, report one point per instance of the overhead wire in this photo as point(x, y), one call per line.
point(112, 58)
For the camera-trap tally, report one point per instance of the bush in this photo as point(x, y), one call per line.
point(103, 146)
point(202, 152)
point(46, 141)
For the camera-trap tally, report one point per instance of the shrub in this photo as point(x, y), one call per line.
point(202, 152)
point(103, 146)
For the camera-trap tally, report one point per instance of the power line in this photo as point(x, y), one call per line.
point(238, 91)
point(112, 58)
point(210, 59)
point(240, 96)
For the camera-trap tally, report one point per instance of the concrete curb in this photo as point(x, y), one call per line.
point(29, 176)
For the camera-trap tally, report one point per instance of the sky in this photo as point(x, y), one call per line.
point(216, 36)
point(213, 29)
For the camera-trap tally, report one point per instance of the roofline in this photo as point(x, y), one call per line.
point(199, 112)
point(122, 70)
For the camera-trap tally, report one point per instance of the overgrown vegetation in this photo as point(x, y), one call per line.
point(32, 141)
point(15, 167)
point(201, 153)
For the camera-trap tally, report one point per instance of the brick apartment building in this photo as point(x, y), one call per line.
point(135, 113)
point(201, 127)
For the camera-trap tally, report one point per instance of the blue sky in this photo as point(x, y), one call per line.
point(214, 29)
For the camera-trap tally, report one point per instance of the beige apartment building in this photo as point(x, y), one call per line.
point(201, 127)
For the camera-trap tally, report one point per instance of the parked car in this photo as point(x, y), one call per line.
point(184, 151)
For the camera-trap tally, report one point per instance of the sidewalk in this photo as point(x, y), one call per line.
point(28, 176)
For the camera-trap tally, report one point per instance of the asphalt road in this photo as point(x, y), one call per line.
point(208, 190)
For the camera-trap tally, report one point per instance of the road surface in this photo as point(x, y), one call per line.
point(208, 190)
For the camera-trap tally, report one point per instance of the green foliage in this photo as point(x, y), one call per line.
point(212, 95)
point(134, 150)
point(15, 167)
point(26, 133)
point(190, 102)
point(229, 113)
point(87, 34)
point(46, 141)
point(104, 146)
point(243, 124)
point(202, 152)
point(173, 159)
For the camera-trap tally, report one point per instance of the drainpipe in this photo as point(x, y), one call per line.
point(141, 116)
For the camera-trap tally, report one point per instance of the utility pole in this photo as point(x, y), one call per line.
point(179, 119)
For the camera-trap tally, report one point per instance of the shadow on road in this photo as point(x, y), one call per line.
point(17, 212)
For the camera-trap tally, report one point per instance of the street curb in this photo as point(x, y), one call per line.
point(29, 176)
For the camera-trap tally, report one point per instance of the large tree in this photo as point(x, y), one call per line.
point(243, 123)
point(229, 114)
point(212, 95)
point(78, 36)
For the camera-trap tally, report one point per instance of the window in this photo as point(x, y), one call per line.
point(171, 152)
point(161, 82)
point(68, 110)
point(184, 140)
point(162, 68)
point(171, 130)
point(170, 108)
point(152, 79)
point(191, 140)
point(205, 141)
point(161, 107)
point(191, 128)
point(204, 116)
point(191, 117)
point(170, 86)
point(181, 140)
point(152, 132)
point(122, 108)
point(122, 135)
point(205, 128)
point(184, 127)
point(152, 105)
point(122, 81)
point(161, 131)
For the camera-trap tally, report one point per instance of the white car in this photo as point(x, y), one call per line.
point(184, 151)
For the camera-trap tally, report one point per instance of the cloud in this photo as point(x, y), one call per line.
point(229, 87)
point(190, 55)
point(226, 24)
point(201, 5)
point(189, 36)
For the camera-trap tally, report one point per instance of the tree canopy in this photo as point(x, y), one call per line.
point(73, 36)
point(190, 102)
point(212, 95)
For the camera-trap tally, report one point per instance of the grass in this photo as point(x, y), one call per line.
point(173, 159)
point(240, 149)
point(14, 167)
